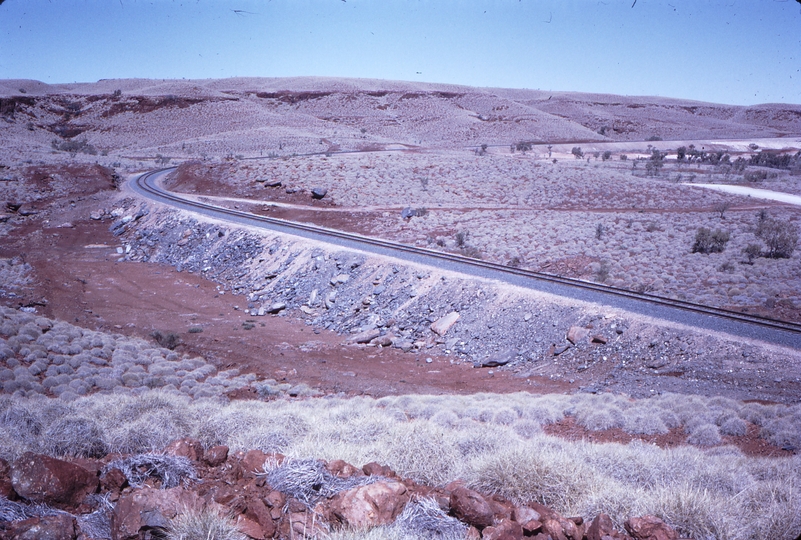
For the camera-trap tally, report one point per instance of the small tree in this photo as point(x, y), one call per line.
point(577, 153)
point(606, 155)
point(780, 237)
point(707, 241)
point(681, 153)
point(721, 208)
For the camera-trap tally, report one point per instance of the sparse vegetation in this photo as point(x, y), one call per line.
point(576, 478)
point(577, 152)
point(74, 146)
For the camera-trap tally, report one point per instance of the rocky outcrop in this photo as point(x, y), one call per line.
point(266, 495)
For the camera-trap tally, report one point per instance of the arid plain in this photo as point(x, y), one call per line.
point(129, 324)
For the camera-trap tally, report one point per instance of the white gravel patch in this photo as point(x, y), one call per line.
point(753, 192)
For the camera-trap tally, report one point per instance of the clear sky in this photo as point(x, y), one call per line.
point(732, 51)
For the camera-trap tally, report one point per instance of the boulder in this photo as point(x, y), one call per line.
point(408, 212)
point(649, 528)
point(277, 307)
point(319, 192)
point(602, 528)
point(576, 334)
point(443, 324)
point(250, 528)
point(499, 359)
point(188, 448)
point(340, 279)
point(6, 489)
point(599, 339)
point(112, 481)
point(216, 455)
point(253, 461)
point(371, 505)
point(48, 480)
point(343, 469)
point(365, 337)
point(272, 183)
point(376, 469)
point(505, 530)
point(147, 509)
point(384, 341)
point(257, 511)
point(471, 507)
point(58, 527)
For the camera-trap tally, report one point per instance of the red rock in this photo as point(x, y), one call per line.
point(576, 334)
point(531, 526)
point(471, 507)
point(602, 528)
point(149, 508)
point(258, 512)
point(553, 527)
point(253, 461)
point(249, 528)
point(51, 481)
point(501, 509)
point(371, 505)
point(472, 534)
point(599, 339)
point(376, 469)
point(58, 527)
point(188, 448)
point(343, 469)
point(216, 456)
point(649, 528)
point(524, 514)
point(275, 500)
point(6, 489)
point(307, 525)
point(113, 481)
point(505, 530)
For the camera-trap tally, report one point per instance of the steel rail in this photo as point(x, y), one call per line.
point(711, 318)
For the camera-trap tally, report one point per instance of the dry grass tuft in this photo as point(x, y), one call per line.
point(171, 471)
point(208, 524)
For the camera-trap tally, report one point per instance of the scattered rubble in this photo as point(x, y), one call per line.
point(265, 496)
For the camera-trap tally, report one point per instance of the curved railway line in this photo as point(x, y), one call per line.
point(703, 317)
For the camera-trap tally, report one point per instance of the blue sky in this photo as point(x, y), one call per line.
point(733, 51)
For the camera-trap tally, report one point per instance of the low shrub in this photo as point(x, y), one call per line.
point(707, 241)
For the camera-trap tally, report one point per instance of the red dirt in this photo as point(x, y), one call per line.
point(750, 444)
point(87, 287)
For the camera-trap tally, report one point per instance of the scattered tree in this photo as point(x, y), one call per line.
point(523, 146)
point(780, 237)
point(707, 241)
point(721, 208)
point(606, 155)
point(577, 153)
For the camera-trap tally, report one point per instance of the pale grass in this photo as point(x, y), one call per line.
point(431, 439)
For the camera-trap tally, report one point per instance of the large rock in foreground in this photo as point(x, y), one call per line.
point(51, 481)
point(371, 505)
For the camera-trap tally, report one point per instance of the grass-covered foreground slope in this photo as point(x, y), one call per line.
point(493, 442)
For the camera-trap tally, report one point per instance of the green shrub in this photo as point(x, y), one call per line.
point(707, 241)
point(780, 237)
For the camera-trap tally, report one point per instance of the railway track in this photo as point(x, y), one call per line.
point(715, 319)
